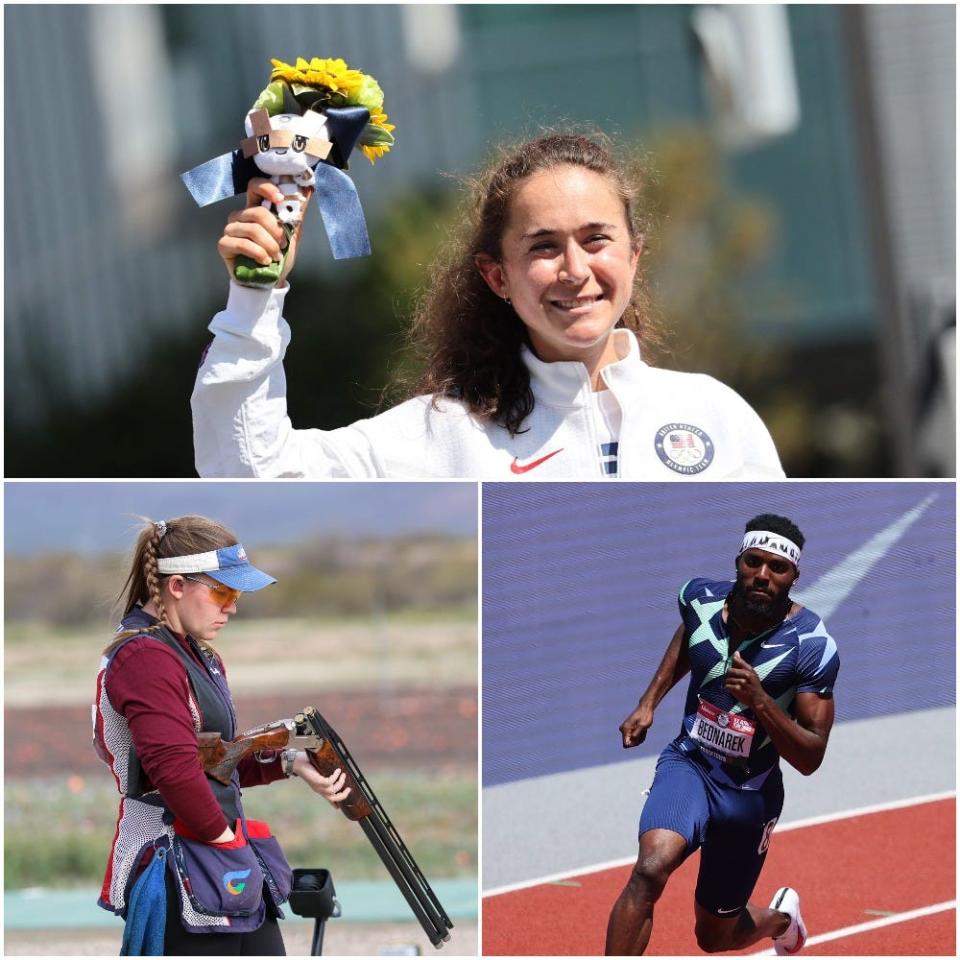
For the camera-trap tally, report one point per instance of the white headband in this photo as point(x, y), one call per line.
point(194, 563)
point(772, 543)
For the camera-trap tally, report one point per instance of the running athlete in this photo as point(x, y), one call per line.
point(762, 670)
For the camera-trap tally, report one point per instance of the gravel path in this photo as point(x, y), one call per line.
point(340, 939)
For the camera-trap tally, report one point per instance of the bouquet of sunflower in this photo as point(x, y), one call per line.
point(300, 132)
point(322, 84)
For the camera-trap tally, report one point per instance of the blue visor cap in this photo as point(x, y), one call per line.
point(235, 570)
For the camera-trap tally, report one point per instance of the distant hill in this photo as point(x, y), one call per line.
point(316, 577)
point(90, 518)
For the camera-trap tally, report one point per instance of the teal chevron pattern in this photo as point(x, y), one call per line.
point(796, 654)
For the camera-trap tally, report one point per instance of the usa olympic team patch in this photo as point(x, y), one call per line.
point(684, 448)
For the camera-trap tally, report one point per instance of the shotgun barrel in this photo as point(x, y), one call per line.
point(376, 825)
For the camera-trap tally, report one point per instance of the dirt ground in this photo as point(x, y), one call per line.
point(408, 726)
point(348, 940)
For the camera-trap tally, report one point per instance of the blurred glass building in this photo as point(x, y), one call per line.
point(841, 119)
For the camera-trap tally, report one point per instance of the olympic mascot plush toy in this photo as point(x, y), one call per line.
point(300, 133)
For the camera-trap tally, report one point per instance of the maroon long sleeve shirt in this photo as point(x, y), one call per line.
point(148, 684)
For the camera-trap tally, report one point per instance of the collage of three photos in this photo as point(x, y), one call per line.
point(489, 695)
point(492, 493)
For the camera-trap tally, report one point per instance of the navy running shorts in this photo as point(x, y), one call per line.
point(730, 827)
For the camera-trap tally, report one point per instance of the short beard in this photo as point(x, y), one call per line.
point(769, 608)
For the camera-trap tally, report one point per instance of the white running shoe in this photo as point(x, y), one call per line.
point(791, 941)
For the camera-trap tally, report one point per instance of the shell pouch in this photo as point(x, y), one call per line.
point(220, 879)
point(276, 870)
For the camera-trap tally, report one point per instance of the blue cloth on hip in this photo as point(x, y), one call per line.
point(147, 912)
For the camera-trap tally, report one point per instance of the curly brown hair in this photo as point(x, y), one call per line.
point(468, 339)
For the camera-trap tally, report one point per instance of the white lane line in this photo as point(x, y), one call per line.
point(828, 593)
point(864, 811)
point(870, 925)
point(781, 828)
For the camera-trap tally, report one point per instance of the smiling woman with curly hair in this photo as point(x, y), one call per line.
point(533, 330)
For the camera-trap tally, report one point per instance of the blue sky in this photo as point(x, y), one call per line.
point(92, 517)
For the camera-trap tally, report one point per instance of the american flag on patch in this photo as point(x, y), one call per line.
point(682, 441)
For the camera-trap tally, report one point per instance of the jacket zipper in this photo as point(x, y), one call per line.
point(619, 438)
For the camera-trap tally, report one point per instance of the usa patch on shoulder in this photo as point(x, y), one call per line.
point(684, 448)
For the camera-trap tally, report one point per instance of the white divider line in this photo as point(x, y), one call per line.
point(870, 925)
point(781, 827)
point(863, 811)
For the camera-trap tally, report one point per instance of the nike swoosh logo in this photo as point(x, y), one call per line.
point(770, 646)
point(829, 592)
point(516, 467)
point(731, 910)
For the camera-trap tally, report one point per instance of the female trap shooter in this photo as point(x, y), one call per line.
point(327, 752)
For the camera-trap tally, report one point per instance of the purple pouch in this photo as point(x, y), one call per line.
point(223, 879)
point(276, 870)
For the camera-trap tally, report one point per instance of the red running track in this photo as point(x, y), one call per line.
point(849, 871)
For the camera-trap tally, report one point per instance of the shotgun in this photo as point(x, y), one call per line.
point(327, 752)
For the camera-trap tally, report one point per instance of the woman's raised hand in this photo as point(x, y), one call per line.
point(255, 231)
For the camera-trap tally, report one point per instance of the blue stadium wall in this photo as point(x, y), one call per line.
point(579, 603)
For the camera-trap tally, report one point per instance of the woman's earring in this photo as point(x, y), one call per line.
point(506, 300)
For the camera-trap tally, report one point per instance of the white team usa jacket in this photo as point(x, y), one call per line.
point(676, 426)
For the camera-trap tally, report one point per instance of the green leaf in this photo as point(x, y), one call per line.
point(374, 136)
point(310, 98)
point(271, 98)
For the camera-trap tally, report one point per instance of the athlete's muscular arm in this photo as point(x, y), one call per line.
point(674, 666)
point(801, 742)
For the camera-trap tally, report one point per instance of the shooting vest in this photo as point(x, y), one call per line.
point(143, 818)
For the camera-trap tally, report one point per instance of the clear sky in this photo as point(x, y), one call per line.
point(93, 517)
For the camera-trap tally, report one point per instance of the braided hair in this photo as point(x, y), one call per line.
point(152, 578)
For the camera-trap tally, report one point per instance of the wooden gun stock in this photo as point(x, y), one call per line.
point(220, 757)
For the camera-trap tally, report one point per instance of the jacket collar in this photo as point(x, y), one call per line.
point(565, 383)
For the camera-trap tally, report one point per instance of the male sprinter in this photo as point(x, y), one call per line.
point(762, 670)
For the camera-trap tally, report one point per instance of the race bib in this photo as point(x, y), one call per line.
point(726, 736)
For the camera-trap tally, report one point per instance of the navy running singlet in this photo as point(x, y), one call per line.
point(797, 656)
